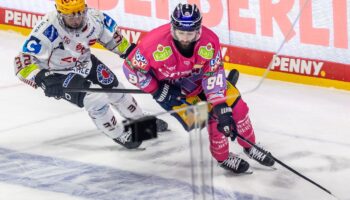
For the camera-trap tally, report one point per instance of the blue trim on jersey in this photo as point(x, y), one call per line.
point(51, 33)
point(109, 23)
point(32, 45)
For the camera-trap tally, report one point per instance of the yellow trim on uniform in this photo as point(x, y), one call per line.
point(123, 46)
point(26, 71)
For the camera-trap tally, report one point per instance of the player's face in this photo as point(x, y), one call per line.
point(185, 37)
point(74, 21)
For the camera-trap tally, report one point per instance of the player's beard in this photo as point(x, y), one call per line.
point(185, 44)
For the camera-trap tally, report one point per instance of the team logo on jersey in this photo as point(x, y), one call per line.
point(206, 52)
point(32, 45)
point(139, 61)
point(215, 62)
point(162, 53)
point(80, 48)
point(109, 23)
point(104, 75)
point(51, 33)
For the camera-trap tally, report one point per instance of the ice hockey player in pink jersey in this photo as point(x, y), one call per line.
point(180, 64)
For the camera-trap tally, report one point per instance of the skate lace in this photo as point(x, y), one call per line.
point(232, 162)
point(259, 155)
point(125, 137)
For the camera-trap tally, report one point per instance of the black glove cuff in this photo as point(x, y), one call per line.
point(222, 109)
point(39, 77)
point(162, 93)
point(128, 51)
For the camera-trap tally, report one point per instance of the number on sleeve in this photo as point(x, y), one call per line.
point(132, 79)
point(215, 81)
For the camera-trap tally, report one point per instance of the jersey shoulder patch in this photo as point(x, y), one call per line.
point(162, 53)
point(207, 51)
point(51, 33)
point(109, 23)
point(32, 45)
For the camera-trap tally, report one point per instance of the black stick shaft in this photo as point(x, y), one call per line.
point(104, 90)
point(286, 166)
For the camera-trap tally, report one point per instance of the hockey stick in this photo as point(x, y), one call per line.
point(104, 90)
point(286, 166)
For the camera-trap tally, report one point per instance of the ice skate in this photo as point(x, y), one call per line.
point(124, 139)
point(236, 165)
point(261, 156)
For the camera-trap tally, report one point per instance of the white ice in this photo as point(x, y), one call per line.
point(49, 149)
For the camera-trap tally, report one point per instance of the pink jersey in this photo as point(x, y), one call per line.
point(156, 59)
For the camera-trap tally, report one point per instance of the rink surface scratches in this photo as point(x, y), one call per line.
point(94, 181)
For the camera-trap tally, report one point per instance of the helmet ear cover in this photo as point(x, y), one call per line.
point(186, 17)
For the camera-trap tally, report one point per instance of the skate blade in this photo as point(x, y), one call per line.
point(248, 172)
point(134, 149)
point(264, 168)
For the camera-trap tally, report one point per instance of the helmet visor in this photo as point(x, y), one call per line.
point(74, 20)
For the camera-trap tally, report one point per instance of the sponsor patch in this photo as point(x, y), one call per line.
point(32, 45)
point(109, 23)
point(162, 53)
point(51, 33)
point(215, 62)
point(104, 75)
point(206, 52)
point(139, 61)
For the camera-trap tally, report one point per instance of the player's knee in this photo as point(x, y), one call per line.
point(105, 77)
point(240, 110)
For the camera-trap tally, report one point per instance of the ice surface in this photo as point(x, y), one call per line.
point(50, 149)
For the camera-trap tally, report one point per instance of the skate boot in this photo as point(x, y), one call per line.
point(263, 157)
point(235, 164)
point(124, 139)
point(162, 125)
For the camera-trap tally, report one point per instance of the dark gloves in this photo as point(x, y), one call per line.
point(50, 82)
point(226, 124)
point(168, 95)
point(128, 51)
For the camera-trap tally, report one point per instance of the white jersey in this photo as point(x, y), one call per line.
point(54, 47)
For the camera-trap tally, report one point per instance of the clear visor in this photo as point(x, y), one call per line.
point(74, 20)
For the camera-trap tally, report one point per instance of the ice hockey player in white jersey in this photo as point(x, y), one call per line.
point(57, 55)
